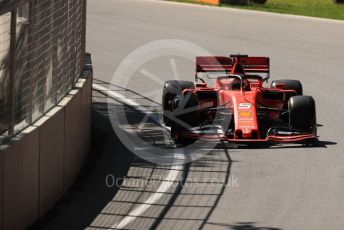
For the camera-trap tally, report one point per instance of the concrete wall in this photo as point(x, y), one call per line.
point(51, 158)
point(21, 180)
point(40, 164)
point(1, 186)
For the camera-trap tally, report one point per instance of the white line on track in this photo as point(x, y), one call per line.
point(165, 185)
point(121, 98)
point(129, 102)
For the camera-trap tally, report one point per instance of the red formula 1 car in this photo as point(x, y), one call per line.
point(238, 108)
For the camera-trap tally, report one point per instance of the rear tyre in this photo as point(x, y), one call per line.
point(170, 91)
point(185, 110)
point(302, 113)
point(289, 84)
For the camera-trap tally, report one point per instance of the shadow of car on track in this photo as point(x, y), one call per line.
point(243, 226)
point(319, 144)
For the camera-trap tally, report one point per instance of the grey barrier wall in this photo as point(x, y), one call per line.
point(45, 105)
point(41, 163)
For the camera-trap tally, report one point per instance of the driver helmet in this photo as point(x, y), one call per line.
point(235, 84)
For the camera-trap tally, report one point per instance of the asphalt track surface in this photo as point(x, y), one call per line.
point(283, 187)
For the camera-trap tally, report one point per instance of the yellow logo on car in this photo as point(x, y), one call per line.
point(245, 114)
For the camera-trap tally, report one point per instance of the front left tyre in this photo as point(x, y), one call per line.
point(302, 113)
point(185, 116)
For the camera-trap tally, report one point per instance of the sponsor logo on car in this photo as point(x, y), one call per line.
point(246, 114)
point(244, 106)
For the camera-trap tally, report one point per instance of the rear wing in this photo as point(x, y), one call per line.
point(213, 64)
point(208, 64)
point(254, 64)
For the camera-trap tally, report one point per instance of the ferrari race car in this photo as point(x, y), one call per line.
point(238, 108)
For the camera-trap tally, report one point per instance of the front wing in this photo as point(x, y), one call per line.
point(219, 135)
